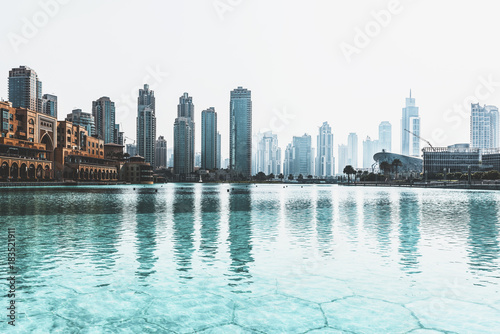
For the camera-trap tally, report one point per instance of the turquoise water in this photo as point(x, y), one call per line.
point(185, 258)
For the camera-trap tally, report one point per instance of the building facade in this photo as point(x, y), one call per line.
point(209, 143)
point(484, 127)
point(299, 157)
point(410, 144)
point(146, 124)
point(84, 119)
point(240, 131)
point(25, 90)
point(219, 152)
point(49, 105)
point(161, 152)
point(451, 159)
point(184, 136)
point(137, 171)
point(343, 154)
point(268, 154)
point(325, 161)
point(103, 111)
point(385, 137)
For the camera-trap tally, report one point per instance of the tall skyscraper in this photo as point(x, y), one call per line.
point(325, 162)
point(410, 144)
point(25, 90)
point(146, 124)
point(84, 119)
point(299, 157)
point(240, 130)
point(219, 152)
point(209, 139)
point(184, 136)
point(484, 126)
point(103, 111)
point(268, 154)
point(343, 153)
point(49, 105)
point(352, 150)
point(118, 135)
point(370, 147)
point(385, 136)
point(161, 152)
point(288, 161)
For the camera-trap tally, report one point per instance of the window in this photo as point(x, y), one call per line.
point(31, 121)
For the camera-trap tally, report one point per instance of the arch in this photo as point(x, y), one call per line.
point(31, 171)
point(114, 175)
point(4, 170)
point(23, 171)
point(99, 174)
point(87, 174)
point(49, 145)
point(14, 171)
point(39, 172)
point(69, 131)
point(82, 173)
point(47, 172)
point(107, 174)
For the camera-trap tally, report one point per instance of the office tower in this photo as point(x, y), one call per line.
point(184, 136)
point(219, 157)
point(325, 162)
point(84, 119)
point(209, 139)
point(170, 155)
point(268, 154)
point(161, 152)
point(146, 124)
point(343, 154)
point(299, 157)
point(49, 105)
point(370, 147)
point(385, 136)
point(240, 130)
point(103, 111)
point(131, 149)
point(25, 90)
point(484, 131)
point(118, 135)
point(352, 150)
point(410, 144)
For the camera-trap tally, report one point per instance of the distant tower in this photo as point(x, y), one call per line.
point(84, 119)
point(484, 127)
point(343, 153)
point(25, 90)
point(49, 105)
point(325, 162)
point(209, 139)
point(352, 150)
point(410, 144)
point(184, 136)
point(385, 136)
point(103, 111)
point(146, 124)
point(240, 129)
point(161, 152)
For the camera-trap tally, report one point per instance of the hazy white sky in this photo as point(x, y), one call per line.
point(288, 53)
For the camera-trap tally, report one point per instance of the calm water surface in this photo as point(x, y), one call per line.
point(185, 258)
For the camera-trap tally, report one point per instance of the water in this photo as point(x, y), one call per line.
point(186, 258)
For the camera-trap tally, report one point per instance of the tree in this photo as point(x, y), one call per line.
point(290, 177)
point(309, 176)
point(491, 175)
point(385, 167)
point(349, 170)
point(301, 177)
point(281, 176)
point(271, 176)
point(396, 163)
point(477, 175)
point(261, 176)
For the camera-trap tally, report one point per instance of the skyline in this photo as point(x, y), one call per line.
point(285, 77)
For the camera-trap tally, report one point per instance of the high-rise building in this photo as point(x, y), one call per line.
point(370, 147)
point(343, 153)
point(49, 105)
point(410, 144)
point(385, 136)
point(325, 162)
point(84, 119)
point(288, 161)
point(352, 150)
point(219, 152)
point(103, 111)
point(146, 124)
point(209, 139)
point(131, 149)
point(268, 154)
point(118, 135)
point(25, 90)
point(299, 157)
point(240, 130)
point(184, 136)
point(484, 127)
point(161, 152)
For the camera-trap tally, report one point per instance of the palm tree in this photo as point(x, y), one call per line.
point(281, 176)
point(349, 170)
point(385, 166)
point(301, 177)
point(396, 163)
point(290, 177)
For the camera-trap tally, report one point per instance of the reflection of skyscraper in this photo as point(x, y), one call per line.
point(146, 234)
point(325, 162)
point(352, 150)
point(324, 221)
point(410, 144)
point(183, 229)
point(409, 233)
point(240, 141)
point(146, 124)
point(210, 220)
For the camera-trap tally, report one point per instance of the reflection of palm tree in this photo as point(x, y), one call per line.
point(397, 163)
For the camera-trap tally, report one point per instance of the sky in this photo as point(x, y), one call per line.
point(350, 63)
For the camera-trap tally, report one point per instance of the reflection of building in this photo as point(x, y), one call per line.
point(325, 162)
point(410, 164)
point(410, 144)
point(484, 123)
point(103, 111)
point(240, 141)
point(137, 170)
point(85, 119)
point(454, 158)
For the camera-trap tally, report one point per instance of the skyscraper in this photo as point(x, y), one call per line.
point(84, 119)
point(240, 130)
point(288, 161)
point(385, 136)
point(103, 111)
point(146, 124)
point(410, 144)
point(370, 147)
point(299, 156)
point(118, 135)
point(209, 139)
point(268, 154)
point(184, 136)
point(25, 90)
point(325, 162)
point(343, 153)
point(219, 153)
point(484, 127)
point(49, 105)
point(161, 152)
point(352, 150)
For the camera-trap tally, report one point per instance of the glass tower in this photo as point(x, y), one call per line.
point(25, 90)
point(146, 124)
point(240, 130)
point(410, 144)
point(209, 143)
point(325, 162)
point(184, 136)
point(103, 111)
